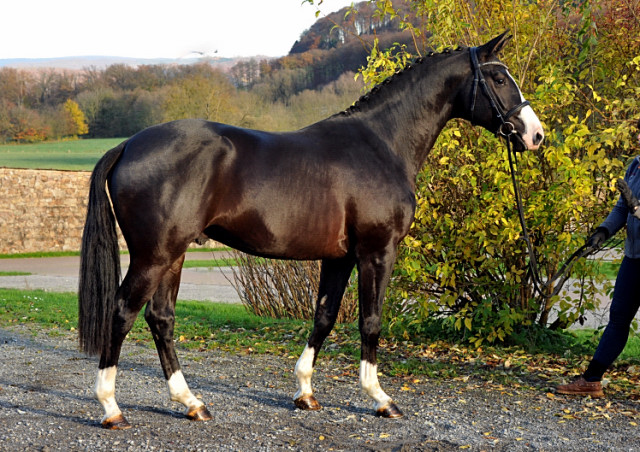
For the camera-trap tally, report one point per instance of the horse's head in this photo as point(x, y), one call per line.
point(494, 101)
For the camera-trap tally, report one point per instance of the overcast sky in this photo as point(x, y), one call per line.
point(154, 28)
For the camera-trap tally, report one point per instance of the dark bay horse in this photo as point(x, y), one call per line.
point(340, 191)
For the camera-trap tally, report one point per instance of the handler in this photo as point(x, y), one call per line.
point(626, 300)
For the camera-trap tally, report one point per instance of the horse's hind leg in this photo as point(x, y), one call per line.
point(160, 315)
point(334, 277)
point(136, 289)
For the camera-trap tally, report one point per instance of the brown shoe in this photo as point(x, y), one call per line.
point(580, 386)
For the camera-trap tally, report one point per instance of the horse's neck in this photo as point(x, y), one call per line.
point(410, 112)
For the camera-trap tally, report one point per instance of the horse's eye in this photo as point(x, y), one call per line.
point(500, 81)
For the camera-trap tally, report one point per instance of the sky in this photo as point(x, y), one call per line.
point(155, 28)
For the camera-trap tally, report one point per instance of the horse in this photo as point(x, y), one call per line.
point(341, 191)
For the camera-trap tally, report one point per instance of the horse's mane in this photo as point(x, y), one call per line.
point(375, 91)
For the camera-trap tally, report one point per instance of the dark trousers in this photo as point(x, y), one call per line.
point(624, 306)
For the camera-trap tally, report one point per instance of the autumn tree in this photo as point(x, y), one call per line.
point(205, 93)
point(78, 123)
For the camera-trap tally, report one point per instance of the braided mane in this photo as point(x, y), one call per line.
point(374, 92)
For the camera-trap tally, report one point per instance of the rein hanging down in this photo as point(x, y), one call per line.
point(564, 272)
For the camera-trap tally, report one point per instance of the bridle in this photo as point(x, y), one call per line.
point(506, 129)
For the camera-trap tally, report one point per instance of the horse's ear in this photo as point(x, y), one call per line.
point(494, 46)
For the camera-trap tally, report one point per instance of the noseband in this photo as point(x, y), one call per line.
point(506, 127)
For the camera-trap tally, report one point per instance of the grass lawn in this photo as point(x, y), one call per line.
point(75, 155)
point(199, 325)
point(609, 269)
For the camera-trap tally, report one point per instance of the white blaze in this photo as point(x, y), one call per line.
point(532, 125)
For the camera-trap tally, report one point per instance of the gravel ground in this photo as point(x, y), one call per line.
point(47, 404)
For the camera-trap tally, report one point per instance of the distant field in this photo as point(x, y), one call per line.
point(77, 155)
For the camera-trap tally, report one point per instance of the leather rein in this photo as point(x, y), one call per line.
point(506, 129)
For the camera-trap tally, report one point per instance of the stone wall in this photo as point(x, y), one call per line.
point(42, 210)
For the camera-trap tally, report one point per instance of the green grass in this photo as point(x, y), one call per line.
point(40, 254)
point(589, 338)
point(14, 273)
point(201, 325)
point(53, 310)
point(609, 269)
point(75, 155)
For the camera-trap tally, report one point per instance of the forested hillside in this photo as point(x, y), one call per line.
point(315, 80)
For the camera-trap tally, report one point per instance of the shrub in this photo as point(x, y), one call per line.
point(283, 288)
point(464, 260)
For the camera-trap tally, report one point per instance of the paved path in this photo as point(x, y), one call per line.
point(60, 274)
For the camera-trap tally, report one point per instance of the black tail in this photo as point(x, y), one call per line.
point(99, 261)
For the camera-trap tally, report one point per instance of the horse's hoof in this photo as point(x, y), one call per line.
point(199, 414)
point(307, 403)
point(117, 422)
point(390, 411)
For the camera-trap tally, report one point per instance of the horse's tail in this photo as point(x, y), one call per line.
point(99, 261)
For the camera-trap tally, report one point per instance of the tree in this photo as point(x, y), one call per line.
point(91, 103)
point(13, 85)
point(77, 120)
point(206, 95)
point(245, 74)
point(27, 126)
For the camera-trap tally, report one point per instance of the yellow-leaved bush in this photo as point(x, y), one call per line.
point(464, 261)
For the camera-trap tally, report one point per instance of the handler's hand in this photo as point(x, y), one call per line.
point(597, 238)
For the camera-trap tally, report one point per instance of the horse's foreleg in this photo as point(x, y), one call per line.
point(130, 297)
point(373, 277)
point(160, 316)
point(334, 276)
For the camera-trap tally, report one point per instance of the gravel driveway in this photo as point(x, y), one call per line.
point(47, 405)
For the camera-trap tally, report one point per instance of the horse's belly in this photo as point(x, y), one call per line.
point(287, 238)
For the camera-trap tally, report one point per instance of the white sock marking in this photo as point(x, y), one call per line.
point(179, 392)
point(303, 371)
point(106, 391)
point(370, 385)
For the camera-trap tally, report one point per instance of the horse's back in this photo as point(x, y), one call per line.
point(296, 195)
